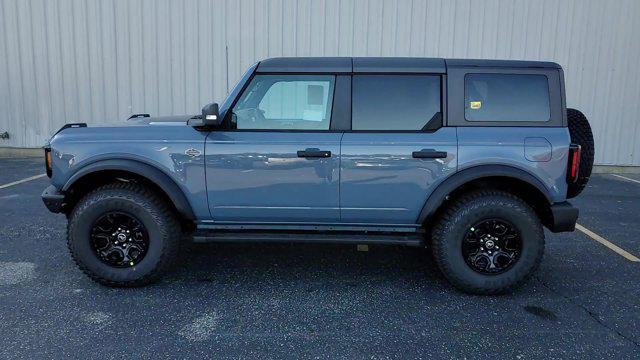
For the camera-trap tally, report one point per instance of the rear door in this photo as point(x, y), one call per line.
point(397, 150)
point(278, 160)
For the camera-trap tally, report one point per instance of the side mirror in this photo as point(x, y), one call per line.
point(209, 118)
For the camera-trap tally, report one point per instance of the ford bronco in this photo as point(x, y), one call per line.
point(470, 158)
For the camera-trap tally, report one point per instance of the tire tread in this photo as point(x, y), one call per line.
point(154, 204)
point(454, 212)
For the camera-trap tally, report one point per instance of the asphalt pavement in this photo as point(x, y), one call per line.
point(317, 301)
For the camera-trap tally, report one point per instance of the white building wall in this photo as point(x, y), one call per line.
point(99, 61)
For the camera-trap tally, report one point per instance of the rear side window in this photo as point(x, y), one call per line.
point(395, 102)
point(506, 97)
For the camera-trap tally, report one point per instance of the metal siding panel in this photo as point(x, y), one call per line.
point(73, 60)
point(633, 93)
point(177, 64)
point(316, 26)
point(189, 75)
point(247, 37)
point(389, 23)
point(96, 63)
point(136, 57)
point(109, 53)
point(40, 68)
point(474, 45)
point(402, 43)
point(150, 56)
point(12, 119)
point(123, 59)
point(219, 54)
point(5, 96)
point(448, 26)
point(303, 33)
point(206, 55)
point(163, 59)
point(374, 28)
point(56, 91)
point(234, 24)
point(332, 35)
point(345, 43)
point(29, 87)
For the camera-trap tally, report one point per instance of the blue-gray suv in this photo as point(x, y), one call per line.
point(470, 158)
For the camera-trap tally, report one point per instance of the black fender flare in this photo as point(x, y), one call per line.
point(439, 195)
point(157, 176)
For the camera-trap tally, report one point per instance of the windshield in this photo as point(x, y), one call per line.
point(236, 90)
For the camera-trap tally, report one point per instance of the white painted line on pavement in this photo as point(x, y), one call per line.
point(626, 178)
point(22, 181)
point(620, 251)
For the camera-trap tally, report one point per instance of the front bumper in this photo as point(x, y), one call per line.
point(53, 199)
point(563, 217)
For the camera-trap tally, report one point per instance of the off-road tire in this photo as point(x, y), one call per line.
point(581, 134)
point(154, 213)
point(451, 226)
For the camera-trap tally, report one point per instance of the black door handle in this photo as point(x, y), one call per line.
point(429, 154)
point(314, 153)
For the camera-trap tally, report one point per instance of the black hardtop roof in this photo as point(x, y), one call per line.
point(385, 64)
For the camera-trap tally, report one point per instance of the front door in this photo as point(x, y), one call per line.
point(397, 151)
point(277, 161)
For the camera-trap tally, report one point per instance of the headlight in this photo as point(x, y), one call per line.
point(48, 162)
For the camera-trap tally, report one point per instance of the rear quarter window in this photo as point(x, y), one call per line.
point(506, 97)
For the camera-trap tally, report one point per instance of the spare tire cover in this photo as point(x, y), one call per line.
point(581, 134)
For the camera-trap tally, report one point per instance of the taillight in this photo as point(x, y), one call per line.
point(48, 161)
point(574, 163)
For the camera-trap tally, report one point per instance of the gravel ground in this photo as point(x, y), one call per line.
point(317, 301)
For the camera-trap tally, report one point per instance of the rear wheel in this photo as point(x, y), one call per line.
point(123, 234)
point(581, 134)
point(488, 242)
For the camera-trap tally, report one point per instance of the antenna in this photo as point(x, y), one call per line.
point(226, 55)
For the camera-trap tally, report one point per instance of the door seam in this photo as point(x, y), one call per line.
point(340, 179)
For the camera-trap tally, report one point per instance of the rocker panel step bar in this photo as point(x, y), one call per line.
point(415, 239)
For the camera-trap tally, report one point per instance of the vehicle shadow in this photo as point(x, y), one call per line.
point(289, 262)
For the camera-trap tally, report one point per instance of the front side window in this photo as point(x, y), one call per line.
point(285, 102)
point(506, 97)
point(396, 102)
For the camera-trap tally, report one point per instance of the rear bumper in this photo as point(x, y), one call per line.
point(53, 199)
point(563, 217)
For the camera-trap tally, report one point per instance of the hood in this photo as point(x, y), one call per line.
point(129, 124)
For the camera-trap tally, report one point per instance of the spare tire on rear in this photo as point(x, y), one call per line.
point(581, 134)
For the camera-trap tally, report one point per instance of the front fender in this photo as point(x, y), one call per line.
point(157, 176)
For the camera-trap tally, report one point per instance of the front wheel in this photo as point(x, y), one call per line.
point(123, 234)
point(488, 242)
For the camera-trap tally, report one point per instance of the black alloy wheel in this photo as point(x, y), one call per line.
point(119, 239)
point(492, 246)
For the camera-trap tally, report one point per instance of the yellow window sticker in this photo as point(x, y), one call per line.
point(475, 105)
